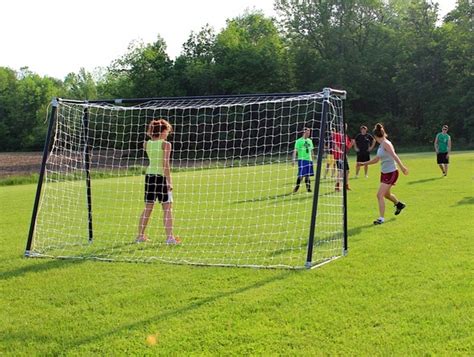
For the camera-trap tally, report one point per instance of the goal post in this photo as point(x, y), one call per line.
point(233, 173)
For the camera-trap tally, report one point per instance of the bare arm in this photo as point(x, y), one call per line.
point(294, 156)
point(449, 146)
point(166, 164)
point(370, 162)
point(391, 151)
point(436, 144)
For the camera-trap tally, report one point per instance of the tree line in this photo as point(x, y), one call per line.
point(399, 63)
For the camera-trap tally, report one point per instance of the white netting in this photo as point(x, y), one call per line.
point(232, 175)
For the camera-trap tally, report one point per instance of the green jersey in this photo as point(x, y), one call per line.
point(155, 152)
point(304, 148)
point(443, 140)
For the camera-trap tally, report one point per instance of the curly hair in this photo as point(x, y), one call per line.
point(157, 126)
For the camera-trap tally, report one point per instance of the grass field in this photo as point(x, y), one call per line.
point(406, 287)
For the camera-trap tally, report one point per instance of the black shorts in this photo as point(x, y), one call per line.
point(442, 158)
point(342, 164)
point(156, 189)
point(363, 156)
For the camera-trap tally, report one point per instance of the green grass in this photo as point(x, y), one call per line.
point(406, 287)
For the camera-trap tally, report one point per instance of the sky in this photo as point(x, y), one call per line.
point(57, 37)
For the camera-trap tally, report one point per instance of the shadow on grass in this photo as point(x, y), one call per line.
point(49, 264)
point(177, 312)
point(352, 232)
point(425, 180)
point(466, 201)
point(285, 197)
point(357, 230)
point(266, 198)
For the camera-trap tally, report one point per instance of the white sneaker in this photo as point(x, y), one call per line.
point(173, 241)
point(366, 176)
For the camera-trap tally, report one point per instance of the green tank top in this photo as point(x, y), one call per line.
point(155, 152)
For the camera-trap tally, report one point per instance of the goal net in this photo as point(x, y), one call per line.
point(233, 181)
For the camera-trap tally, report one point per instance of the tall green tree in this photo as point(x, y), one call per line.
point(342, 44)
point(195, 68)
point(456, 105)
point(251, 56)
point(24, 97)
point(81, 85)
point(144, 71)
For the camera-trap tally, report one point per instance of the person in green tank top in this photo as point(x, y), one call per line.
point(158, 182)
point(304, 153)
point(442, 146)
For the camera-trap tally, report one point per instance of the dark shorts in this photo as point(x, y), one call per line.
point(305, 168)
point(442, 158)
point(342, 164)
point(156, 189)
point(389, 178)
point(363, 156)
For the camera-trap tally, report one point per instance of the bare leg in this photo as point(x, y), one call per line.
point(390, 196)
point(358, 169)
point(366, 169)
point(168, 219)
point(441, 166)
point(144, 218)
point(445, 169)
point(384, 191)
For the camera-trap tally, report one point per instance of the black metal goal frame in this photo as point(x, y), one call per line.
point(327, 93)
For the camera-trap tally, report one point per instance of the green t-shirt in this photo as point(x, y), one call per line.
point(304, 148)
point(155, 152)
point(443, 140)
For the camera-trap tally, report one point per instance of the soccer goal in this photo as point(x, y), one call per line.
point(233, 181)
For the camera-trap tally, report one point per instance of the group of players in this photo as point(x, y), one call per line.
point(159, 186)
point(338, 145)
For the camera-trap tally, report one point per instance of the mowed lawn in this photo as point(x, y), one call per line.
point(406, 287)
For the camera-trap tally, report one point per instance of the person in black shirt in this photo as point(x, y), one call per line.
point(363, 144)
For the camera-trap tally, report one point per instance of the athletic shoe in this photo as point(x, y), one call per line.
point(309, 190)
point(337, 186)
point(399, 206)
point(366, 176)
point(173, 241)
point(295, 189)
point(378, 221)
point(142, 239)
point(348, 188)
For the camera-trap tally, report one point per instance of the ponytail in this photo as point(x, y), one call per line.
point(379, 131)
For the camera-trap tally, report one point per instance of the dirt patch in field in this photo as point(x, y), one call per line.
point(20, 163)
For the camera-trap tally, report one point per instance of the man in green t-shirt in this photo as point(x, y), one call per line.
point(442, 146)
point(304, 154)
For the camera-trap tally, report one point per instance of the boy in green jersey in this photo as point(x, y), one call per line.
point(303, 152)
point(442, 146)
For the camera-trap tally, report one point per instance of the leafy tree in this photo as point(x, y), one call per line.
point(81, 85)
point(251, 56)
point(456, 105)
point(195, 68)
point(144, 71)
point(24, 97)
